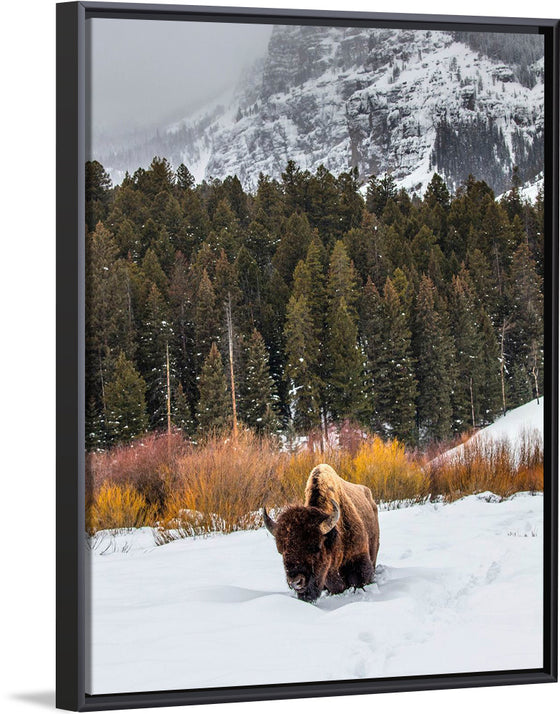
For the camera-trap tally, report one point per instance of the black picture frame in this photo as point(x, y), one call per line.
point(70, 498)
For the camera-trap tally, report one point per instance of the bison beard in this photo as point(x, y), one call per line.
point(331, 542)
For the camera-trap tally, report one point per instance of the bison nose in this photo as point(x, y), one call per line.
point(297, 583)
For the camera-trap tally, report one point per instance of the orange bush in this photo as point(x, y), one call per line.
point(489, 465)
point(222, 483)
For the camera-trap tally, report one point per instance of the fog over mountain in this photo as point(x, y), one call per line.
point(409, 102)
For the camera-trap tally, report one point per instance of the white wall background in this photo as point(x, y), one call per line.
point(27, 396)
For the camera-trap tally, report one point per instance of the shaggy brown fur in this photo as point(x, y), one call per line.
point(320, 556)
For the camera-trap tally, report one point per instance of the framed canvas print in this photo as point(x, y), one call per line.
point(307, 353)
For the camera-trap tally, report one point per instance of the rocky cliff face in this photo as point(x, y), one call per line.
point(404, 101)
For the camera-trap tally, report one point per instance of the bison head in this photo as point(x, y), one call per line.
point(305, 538)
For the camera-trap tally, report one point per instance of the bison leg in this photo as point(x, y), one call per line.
point(334, 583)
point(358, 572)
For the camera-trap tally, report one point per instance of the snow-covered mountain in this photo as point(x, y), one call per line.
point(406, 101)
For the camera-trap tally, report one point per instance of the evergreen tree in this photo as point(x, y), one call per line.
point(309, 280)
point(125, 411)
point(350, 203)
point(156, 339)
point(257, 394)
point(295, 239)
point(109, 326)
point(525, 341)
point(344, 368)
point(396, 383)
point(372, 328)
point(468, 348)
point(489, 397)
point(379, 192)
point(98, 188)
point(181, 304)
point(207, 318)
point(269, 205)
point(302, 365)
point(433, 350)
point(214, 410)
point(183, 178)
point(181, 413)
point(342, 278)
point(322, 204)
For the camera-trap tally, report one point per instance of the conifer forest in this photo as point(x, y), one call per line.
point(318, 301)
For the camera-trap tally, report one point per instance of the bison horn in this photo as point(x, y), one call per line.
point(331, 521)
point(268, 522)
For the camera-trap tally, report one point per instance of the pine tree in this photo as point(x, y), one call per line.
point(109, 325)
point(181, 413)
point(525, 343)
point(342, 278)
point(433, 350)
point(125, 411)
point(322, 204)
point(379, 192)
point(344, 368)
point(269, 205)
point(98, 188)
point(489, 397)
point(309, 280)
point(295, 238)
point(214, 405)
point(155, 337)
point(184, 179)
point(207, 318)
point(372, 326)
point(302, 366)
point(293, 185)
point(396, 384)
point(181, 305)
point(350, 203)
point(257, 398)
point(468, 350)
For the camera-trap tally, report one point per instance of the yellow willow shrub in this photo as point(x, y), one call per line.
point(295, 468)
point(115, 507)
point(388, 470)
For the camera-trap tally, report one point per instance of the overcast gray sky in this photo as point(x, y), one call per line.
point(148, 72)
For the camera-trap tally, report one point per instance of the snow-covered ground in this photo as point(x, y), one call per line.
point(458, 588)
point(516, 426)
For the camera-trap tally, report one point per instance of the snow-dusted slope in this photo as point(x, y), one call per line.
point(526, 421)
point(409, 102)
point(458, 589)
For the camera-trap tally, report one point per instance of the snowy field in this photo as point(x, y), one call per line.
point(458, 588)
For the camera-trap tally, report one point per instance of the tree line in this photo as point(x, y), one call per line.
point(414, 318)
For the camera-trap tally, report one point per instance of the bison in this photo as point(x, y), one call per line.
point(331, 542)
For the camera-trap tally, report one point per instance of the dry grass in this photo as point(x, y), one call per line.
point(221, 484)
point(482, 465)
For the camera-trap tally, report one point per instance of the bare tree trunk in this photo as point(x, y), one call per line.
point(472, 402)
point(535, 369)
point(230, 341)
point(168, 405)
point(168, 390)
point(102, 380)
point(506, 326)
point(498, 269)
